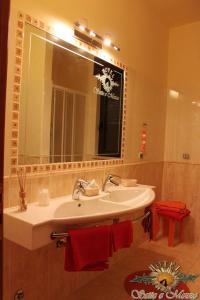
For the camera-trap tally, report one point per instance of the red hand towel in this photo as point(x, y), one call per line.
point(122, 235)
point(169, 206)
point(88, 249)
point(176, 206)
point(174, 215)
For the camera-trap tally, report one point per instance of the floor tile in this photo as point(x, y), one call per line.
point(110, 285)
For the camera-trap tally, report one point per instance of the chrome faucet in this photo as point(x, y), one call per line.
point(79, 188)
point(110, 179)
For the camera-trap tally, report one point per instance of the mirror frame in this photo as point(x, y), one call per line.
point(22, 19)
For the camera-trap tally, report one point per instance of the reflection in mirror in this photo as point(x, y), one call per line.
point(71, 103)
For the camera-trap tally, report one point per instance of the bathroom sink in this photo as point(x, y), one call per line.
point(116, 202)
point(128, 195)
point(32, 228)
point(85, 210)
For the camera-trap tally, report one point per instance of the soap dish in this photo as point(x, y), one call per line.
point(129, 182)
point(91, 191)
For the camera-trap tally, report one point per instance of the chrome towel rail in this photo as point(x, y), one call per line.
point(55, 235)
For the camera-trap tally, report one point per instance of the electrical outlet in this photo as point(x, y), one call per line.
point(141, 155)
point(186, 156)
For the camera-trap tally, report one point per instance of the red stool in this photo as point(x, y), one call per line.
point(173, 217)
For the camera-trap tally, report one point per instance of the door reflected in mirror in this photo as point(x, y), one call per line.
point(71, 103)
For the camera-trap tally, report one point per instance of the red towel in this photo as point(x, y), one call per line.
point(88, 249)
point(122, 235)
point(174, 215)
point(175, 209)
point(176, 206)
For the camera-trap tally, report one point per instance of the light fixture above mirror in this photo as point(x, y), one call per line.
point(89, 36)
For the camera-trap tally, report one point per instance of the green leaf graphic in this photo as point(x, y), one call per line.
point(185, 278)
point(142, 279)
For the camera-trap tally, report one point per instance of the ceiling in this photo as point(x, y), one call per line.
point(177, 12)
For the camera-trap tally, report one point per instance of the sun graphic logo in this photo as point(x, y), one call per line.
point(107, 79)
point(163, 280)
point(165, 275)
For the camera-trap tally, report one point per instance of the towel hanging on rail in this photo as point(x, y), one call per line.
point(88, 249)
point(122, 235)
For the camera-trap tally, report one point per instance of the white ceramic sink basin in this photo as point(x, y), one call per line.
point(85, 210)
point(126, 195)
point(114, 203)
point(131, 196)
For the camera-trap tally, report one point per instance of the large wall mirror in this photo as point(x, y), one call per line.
point(71, 103)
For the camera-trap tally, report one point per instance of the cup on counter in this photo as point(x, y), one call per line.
point(43, 197)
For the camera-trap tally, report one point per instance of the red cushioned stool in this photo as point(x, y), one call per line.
point(173, 217)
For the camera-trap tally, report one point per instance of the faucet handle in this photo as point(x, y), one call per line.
point(82, 182)
point(111, 176)
point(79, 186)
point(114, 175)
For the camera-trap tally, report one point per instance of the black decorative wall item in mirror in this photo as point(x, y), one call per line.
point(111, 104)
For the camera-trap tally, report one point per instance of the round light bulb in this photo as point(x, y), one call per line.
point(92, 33)
point(107, 42)
point(82, 27)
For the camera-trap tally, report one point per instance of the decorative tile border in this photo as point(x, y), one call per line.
point(54, 167)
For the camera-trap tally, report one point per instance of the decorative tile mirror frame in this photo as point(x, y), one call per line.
point(53, 167)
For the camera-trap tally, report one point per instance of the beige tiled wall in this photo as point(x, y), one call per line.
point(181, 177)
point(181, 182)
point(60, 184)
point(183, 108)
point(40, 273)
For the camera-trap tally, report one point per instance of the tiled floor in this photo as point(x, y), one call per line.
point(109, 285)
